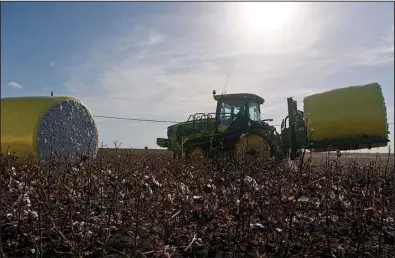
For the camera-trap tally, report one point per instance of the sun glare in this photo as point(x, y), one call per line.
point(262, 17)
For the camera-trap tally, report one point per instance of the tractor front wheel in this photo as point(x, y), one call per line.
point(177, 154)
point(196, 154)
point(253, 147)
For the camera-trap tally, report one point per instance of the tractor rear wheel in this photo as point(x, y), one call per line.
point(196, 154)
point(254, 147)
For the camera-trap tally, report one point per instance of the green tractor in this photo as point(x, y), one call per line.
point(237, 131)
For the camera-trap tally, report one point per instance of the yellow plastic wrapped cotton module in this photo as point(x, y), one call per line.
point(345, 113)
point(47, 127)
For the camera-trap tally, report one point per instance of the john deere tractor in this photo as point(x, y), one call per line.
point(346, 118)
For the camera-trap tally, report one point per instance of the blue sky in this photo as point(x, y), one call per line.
point(162, 60)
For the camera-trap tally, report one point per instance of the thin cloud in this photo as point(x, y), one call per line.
point(15, 85)
point(380, 54)
point(52, 64)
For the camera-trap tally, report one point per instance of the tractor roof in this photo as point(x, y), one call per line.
point(240, 96)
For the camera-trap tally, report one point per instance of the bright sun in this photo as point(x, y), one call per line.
point(265, 16)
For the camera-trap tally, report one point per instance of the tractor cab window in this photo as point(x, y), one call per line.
point(229, 111)
point(254, 112)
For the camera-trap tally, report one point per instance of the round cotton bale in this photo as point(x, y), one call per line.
point(47, 128)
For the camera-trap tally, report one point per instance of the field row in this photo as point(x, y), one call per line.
point(146, 205)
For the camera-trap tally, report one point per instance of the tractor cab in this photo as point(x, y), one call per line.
point(235, 111)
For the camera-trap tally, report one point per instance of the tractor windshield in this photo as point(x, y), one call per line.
point(254, 112)
point(232, 108)
point(229, 111)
